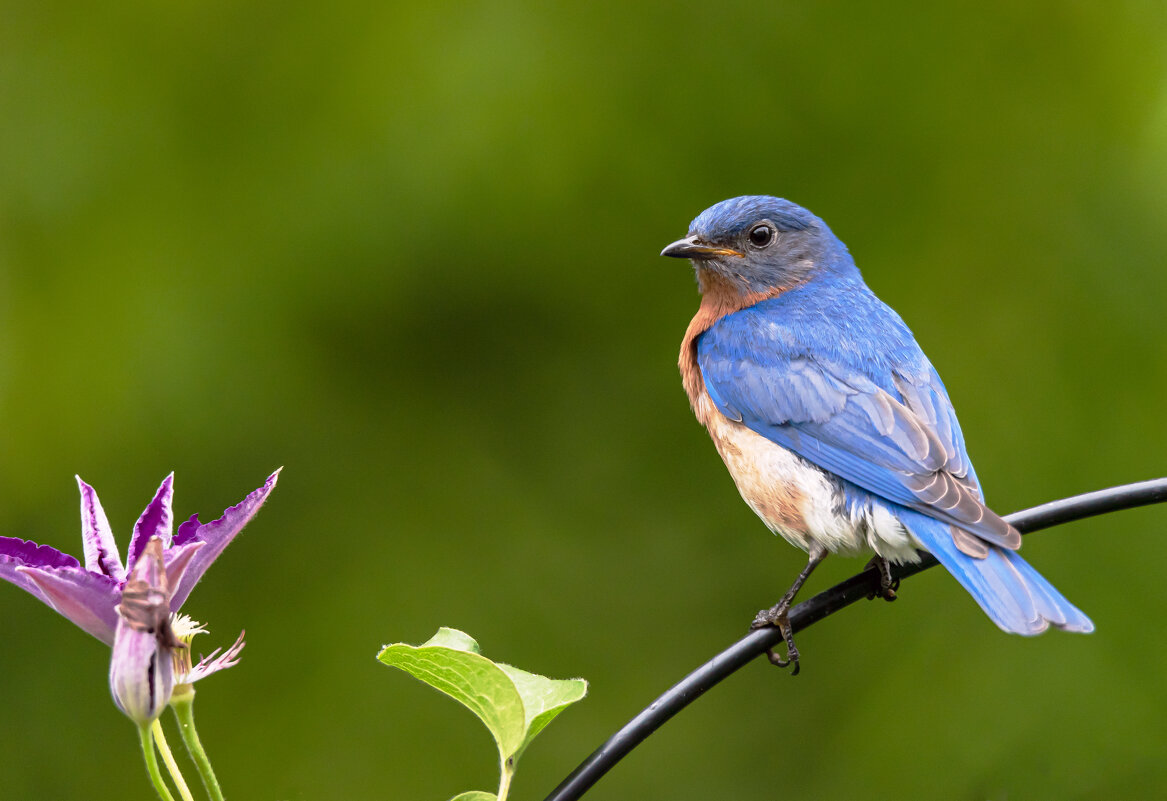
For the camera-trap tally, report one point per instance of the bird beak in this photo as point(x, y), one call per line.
point(692, 248)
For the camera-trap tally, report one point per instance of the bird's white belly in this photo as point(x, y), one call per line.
point(802, 502)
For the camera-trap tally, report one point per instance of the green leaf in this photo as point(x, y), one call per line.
point(452, 638)
point(450, 662)
point(475, 795)
point(543, 699)
point(515, 705)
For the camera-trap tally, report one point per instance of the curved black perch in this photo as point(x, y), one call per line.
point(815, 609)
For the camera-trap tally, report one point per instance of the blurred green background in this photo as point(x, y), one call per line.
point(409, 251)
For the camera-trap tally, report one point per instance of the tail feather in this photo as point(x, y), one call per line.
point(1014, 595)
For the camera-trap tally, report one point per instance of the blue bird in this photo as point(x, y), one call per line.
point(834, 425)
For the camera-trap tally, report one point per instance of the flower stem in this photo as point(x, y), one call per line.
point(183, 702)
point(171, 765)
point(152, 763)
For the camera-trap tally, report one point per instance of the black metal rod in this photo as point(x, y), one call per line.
point(815, 609)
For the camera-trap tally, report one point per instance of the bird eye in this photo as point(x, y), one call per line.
point(761, 235)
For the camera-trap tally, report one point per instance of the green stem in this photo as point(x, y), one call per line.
point(183, 702)
point(152, 763)
point(171, 765)
point(507, 770)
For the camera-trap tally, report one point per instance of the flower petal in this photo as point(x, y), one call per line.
point(87, 599)
point(177, 559)
point(27, 552)
point(213, 664)
point(101, 552)
point(141, 673)
point(16, 553)
point(156, 521)
point(216, 536)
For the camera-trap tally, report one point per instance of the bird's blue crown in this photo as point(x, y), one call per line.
point(730, 218)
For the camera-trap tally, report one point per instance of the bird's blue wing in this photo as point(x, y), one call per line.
point(868, 408)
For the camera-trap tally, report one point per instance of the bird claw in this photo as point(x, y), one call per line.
point(769, 617)
point(777, 616)
point(887, 584)
point(778, 661)
point(887, 593)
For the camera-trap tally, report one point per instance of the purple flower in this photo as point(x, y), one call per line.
point(89, 595)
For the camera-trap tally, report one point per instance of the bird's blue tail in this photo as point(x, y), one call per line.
point(1012, 593)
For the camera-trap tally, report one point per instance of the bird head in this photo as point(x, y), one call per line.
point(757, 244)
